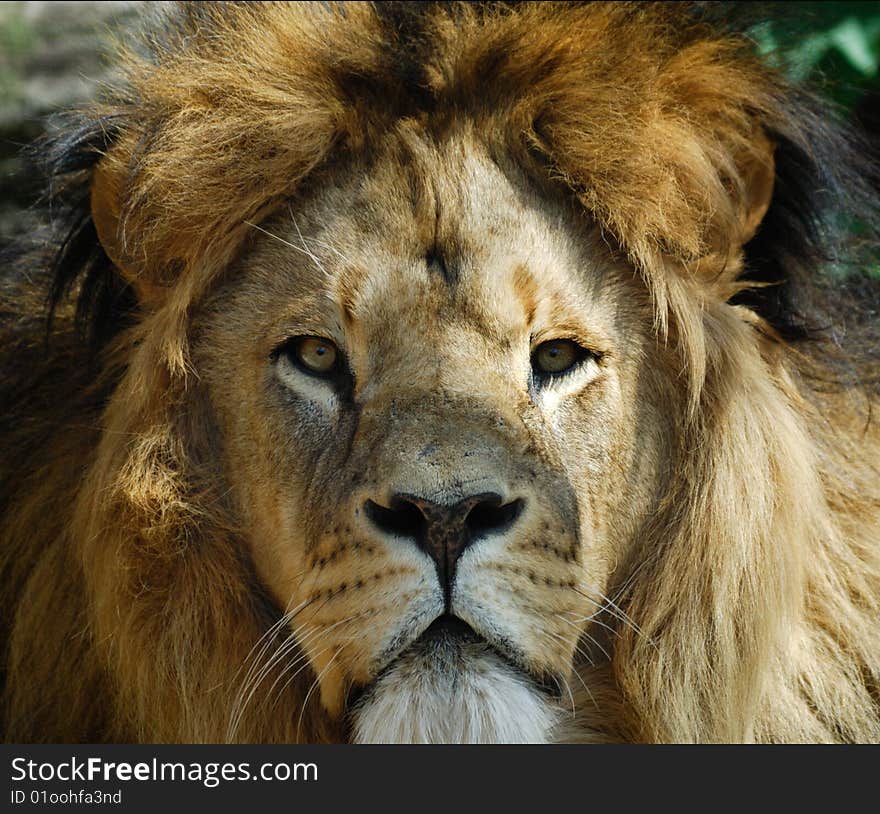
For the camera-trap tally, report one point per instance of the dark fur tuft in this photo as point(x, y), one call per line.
point(820, 233)
point(80, 266)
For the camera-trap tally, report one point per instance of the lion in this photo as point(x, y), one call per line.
point(446, 373)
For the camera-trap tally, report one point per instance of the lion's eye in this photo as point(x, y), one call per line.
point(314, 355)
point(556, 357)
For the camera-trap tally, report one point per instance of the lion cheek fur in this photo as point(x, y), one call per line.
point(455, 694)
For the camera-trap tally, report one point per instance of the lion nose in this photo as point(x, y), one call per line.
point(442, 530)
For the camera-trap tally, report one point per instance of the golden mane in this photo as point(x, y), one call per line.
point(758, 585)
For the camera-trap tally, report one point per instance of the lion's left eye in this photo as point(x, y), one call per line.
point(314, 355)
point(556, 357)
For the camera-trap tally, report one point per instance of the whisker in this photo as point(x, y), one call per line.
point(594, 618)
point(266, 640)
point(574, 670)
point(289, 245)
point(288, 667)
point(249, 690)
point(254, 679)
point(584, 633)
point(570, 694)
point(586, 688)
point(269, 632)
point(315, 684)
point(558, 678)
point(342, 642)
point(324, 244)
point(308, 251)
point(604, 607)
point(614, 610)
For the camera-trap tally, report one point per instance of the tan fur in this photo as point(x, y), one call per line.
point(184, 549)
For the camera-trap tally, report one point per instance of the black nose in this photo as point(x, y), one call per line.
point(443, 530)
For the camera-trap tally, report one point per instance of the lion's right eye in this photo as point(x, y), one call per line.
point(313, 355)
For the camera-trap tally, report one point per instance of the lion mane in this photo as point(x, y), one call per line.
point(751, 598)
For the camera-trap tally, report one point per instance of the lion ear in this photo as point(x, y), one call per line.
point(758, 173)
point(106, 211)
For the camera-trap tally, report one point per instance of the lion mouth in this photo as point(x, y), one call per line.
point(449, 634)
point(443, 647)
point(445, 632)
point(448, 626)
point(451, 685)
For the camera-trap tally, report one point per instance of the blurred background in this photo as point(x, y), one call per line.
point(53, 55)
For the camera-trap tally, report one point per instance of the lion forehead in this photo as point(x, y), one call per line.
point(445, 250)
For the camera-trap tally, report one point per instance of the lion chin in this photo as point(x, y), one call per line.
point(450, 686)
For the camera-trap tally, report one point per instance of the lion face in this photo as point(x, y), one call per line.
point(430, 379)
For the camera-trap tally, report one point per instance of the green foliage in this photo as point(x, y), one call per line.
point(837, 46)
point(834, 43)
point(16, 39)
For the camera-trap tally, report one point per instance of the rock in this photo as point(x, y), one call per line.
point(53, 56)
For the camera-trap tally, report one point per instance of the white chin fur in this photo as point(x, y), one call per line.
point(447, 691)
